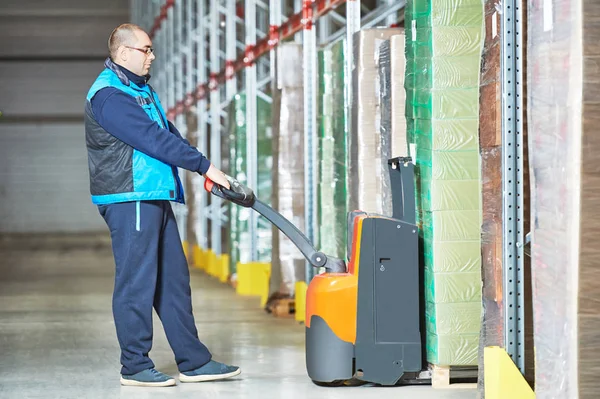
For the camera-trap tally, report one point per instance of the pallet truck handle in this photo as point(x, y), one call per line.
point(243, 196)
point(402, 179)
point(238, 194)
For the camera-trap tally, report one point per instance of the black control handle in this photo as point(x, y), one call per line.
point(402, 179)
point(238, 193)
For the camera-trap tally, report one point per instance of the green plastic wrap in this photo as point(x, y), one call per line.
point(453, 318)
point(448, 6)
point(452, 225)
point(443, 50)
point(333, 152)
point(452, 287)
point(264, 189)
point(452, 349)
point(447, 165)
point(237, 134)
point(446, 103)
point(442, 195)
point(240, 240)
point(446, 135)
point(467, 16)
point(452, 256)
point(445, 73)
point(449, 41)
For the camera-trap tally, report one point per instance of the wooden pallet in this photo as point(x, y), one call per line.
point(284, 308)
point(455, 377)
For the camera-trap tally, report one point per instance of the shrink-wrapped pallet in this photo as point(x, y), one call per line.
point(384, 65)
point(443, 47)
point(398, 96)
point(391, 61)
point(239, 216)
point(333, 154)
point(563, 96)
point(288, 264)
point(240, 235)
point(368, 189)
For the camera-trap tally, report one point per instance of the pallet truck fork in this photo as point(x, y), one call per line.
point(363, 319)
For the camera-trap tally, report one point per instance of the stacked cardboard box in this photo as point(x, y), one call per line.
point(444, 40)
point(563, 113)
point(368, 153)
point(398, 95)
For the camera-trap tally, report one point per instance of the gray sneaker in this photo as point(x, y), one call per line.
point(148, 378)
point(211, 371)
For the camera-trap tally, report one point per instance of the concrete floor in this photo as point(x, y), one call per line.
point(57, 337)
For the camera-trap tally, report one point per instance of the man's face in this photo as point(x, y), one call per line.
point(136, 57)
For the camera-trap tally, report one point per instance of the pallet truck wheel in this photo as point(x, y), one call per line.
point(330, 384)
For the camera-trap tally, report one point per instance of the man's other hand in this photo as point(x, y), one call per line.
point(217, 176)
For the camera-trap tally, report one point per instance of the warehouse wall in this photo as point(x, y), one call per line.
point(50, 53)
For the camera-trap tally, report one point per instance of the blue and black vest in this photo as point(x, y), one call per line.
point(118, 172)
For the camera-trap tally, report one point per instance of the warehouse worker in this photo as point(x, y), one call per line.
point(133, 154)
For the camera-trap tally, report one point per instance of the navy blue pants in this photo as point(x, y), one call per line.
point(151, 272)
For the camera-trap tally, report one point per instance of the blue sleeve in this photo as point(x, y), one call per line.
point(120, 115)
point(176, 132)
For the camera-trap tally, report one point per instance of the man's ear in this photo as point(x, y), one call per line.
point(122, 53)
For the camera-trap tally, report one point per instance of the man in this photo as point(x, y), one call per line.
point(133, 156)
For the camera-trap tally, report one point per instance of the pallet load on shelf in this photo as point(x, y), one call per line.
point(392, 97)
point(288, 264)
point(563, 111)
point(443, 50)
point(368, 188)
point(237, 133)
point(333, 154)
point(239, 221)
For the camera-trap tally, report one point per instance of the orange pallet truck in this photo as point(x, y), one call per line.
point(362, 319)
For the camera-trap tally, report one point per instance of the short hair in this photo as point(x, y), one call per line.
point(121, 35)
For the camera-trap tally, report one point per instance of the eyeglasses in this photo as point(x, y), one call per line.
point(147, 50)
